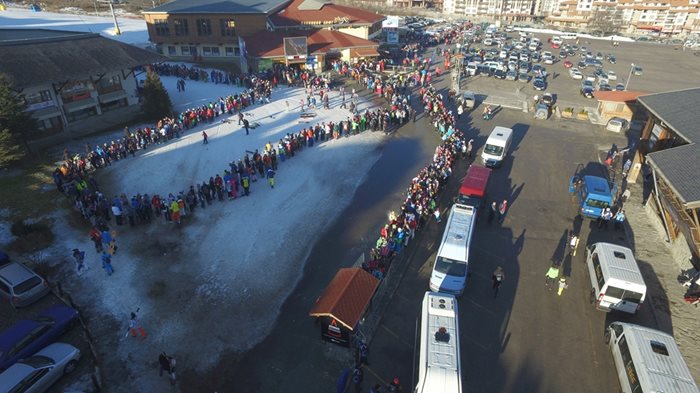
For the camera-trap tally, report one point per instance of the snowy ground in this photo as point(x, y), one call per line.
point(133, 29)
point(217, 282)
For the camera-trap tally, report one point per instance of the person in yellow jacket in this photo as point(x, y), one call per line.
point(175, 211)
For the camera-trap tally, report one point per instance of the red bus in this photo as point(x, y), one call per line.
point(473, 189)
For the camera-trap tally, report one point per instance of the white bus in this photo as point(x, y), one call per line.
point(439, 368)
point(452, 262)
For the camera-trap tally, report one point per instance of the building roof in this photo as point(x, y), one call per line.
point(320, 12)
point(678, 110)
point(680, 169)
point(218, 7)
point(35, 56)
point(268, 44)
point(346, 297)
point(618, 96)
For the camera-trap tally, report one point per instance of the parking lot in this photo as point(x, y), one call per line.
point(665, 68)
point(81, 378)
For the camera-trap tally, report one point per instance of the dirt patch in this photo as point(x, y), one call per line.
point(30, 237)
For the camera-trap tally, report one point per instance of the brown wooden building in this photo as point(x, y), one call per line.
point(669, 146)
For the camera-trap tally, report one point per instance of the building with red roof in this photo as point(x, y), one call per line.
point(621, 104)
point(251, 33)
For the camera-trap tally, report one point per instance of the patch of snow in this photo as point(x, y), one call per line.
point(229, 267)
point(133, 30)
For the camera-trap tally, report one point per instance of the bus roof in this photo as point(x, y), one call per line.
point(621, 263)
point(597, 186)
point(658, 354)
point(458, 233)
point(475, 182)
point(442, 362)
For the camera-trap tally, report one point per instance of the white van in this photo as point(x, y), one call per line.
point(497, 147)
point(648, 360)
point(615, 277)
point(452, 263)
point(472, 68)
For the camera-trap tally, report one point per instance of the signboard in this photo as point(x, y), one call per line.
point(295, 48)
point(392, 36)
point(391, 22)
point(334, 331)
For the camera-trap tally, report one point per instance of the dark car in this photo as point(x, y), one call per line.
point(562, 54)
point(619, 87)
point(28, 336)
point(587, 91)
point(539, 84)
point(581, 65)
point(499, 74)
point(612, 59)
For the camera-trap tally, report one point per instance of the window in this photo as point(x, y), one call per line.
point(628, 364)
point(659, 348)
point(185, 50)
point(38, 97)
point(161, 26)
point(109, 84)
point(203, 27)
point(206, 51)
point(236, 51)
point(172, 51)
point(181, 27)
point(215, 51)
point(228, 27)
point(229, 51)
point(614, 292)
point(598, 271)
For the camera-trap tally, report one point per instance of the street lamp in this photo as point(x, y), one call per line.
point(629, 76)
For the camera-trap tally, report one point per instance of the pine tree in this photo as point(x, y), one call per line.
point(16, 125)
point(156, 101)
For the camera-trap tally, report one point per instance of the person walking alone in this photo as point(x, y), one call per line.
point(497, 278)
point(167, 363)
point(205, 137)
point(246, 125)
point(107, 263)
point(502, 211)
point(80, 265)
point(492, 212)
point(619, 220)
point(134, 325)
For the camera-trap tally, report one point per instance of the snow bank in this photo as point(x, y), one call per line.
point(133, 30)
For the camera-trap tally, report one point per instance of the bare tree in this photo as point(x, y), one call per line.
point(606, 21)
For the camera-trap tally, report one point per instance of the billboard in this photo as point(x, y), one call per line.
point(295, 47)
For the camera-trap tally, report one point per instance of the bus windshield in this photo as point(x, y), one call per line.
point(451, 267)
point(493, 150)
point(597, 203)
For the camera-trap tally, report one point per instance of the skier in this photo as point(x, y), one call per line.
point(271, 177)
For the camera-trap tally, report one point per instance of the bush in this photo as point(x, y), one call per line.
point(30, 237)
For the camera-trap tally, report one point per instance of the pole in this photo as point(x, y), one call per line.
point(629, 76)
point(96, 13)
point(114, 16)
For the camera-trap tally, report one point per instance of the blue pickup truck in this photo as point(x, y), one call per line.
point(593, 194)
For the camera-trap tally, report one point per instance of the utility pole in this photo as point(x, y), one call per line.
point(117, 31)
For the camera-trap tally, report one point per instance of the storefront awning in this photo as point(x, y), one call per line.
point(346, 297)
point(46, 113)
point(78, 105)
point(113, 96)
point(364, 52)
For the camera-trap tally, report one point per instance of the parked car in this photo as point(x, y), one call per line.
point(612, 75)
point(499, 74)
point(619, 87)
point(535, 57)
point(587, 91)
point(523, 77)
point(36, 374)
point(511, 75)
point(30, 335)
point(604, 87)
point(575, 74)
point(20, 285)
point(539, 84)
point(587, 83)
point(549, 60)
point(568, 64)
point(562, 54)
point(612, 59)
point(617, 124)
point(637, 70)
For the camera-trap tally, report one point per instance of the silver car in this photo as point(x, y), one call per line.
point(37, 373)
point(21, 285)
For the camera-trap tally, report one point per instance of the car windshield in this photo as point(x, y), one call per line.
point(451, 267)
point(493, 150)
point(37, 361)
point(27, 285)
point(597, 203)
